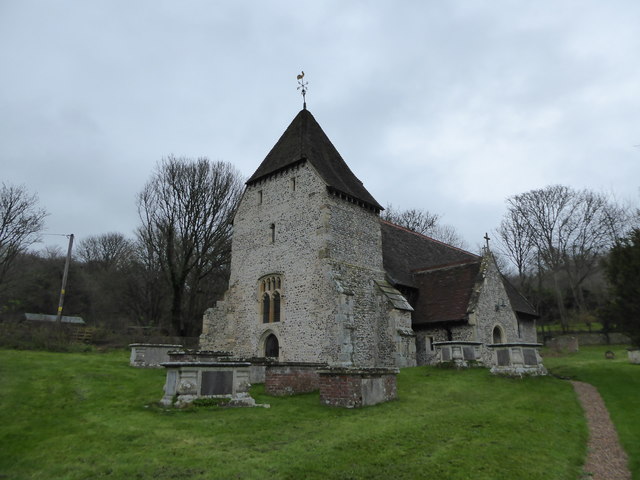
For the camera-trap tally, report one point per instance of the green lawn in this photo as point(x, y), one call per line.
point(80, 416)
point(619, 385)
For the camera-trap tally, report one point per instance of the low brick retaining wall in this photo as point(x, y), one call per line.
point(290, 378)
point(357, 387)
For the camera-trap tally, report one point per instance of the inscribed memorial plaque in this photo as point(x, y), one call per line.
point(217, 383)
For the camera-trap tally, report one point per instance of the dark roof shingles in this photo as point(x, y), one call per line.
point(304, 139)
point(405, 251)
point(444, 293)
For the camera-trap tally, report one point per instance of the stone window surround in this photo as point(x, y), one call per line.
point(270, 294)
point(502, 333)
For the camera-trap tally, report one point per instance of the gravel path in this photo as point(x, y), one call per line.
point(606, 459)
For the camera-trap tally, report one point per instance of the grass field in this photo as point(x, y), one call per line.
point(618, 382)
point(85, 416)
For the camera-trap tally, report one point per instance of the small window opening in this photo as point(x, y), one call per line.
point(266, 308)
point(497, 335)
point(273, 233)
point(293, 184)
point(276, 307)
point(271, 346)
point(259, 196)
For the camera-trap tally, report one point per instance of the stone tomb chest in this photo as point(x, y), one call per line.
point(145, 355)
point(186, 381)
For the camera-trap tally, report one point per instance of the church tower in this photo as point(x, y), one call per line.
point(307, 279)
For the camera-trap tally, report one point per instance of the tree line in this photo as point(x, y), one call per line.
point(175, 266)
point(552, 242)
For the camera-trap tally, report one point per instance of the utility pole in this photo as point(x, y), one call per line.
point(64, 280)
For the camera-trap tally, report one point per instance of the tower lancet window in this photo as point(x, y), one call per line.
point(270, 292)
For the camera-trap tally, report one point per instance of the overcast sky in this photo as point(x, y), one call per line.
point(448, 106)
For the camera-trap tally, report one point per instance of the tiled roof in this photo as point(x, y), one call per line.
point(394, 296)
point(518, 302)
point(404, 251)
point(444, 276)
point(304, 140)
point(444, 292)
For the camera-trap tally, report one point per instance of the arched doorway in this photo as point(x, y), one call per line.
point(271, 346)
point(498, 336)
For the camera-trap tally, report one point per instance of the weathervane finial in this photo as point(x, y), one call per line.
point(302, 86)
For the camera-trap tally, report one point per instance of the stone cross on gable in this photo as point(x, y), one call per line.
point(486, 238)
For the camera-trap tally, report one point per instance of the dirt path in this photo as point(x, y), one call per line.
point(606, 459)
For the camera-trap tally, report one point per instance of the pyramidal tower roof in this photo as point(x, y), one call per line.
point(304, 140)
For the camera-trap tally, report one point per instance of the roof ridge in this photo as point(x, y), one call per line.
point(427, 237)
point(460, 263)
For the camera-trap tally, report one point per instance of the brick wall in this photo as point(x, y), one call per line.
point(281, 380)
point(358, 388)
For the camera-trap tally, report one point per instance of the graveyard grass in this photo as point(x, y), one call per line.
point(79, 416)
point(618, 382)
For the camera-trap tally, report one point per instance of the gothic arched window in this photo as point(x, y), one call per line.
point(498, 336)
point(276, 306)
point(270, 290)
point(266, 308)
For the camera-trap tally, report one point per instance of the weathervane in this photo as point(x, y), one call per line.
point(302, 86)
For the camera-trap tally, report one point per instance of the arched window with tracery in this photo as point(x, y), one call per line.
point(270, 291)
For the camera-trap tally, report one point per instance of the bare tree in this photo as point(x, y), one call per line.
point(516, 243)
point(21, 221)
point(447, 234)
point(566, 231)
point(420, 221)
point(109, 251)
point(186, 211)
point(425, 223)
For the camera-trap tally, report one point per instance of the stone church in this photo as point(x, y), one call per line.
point(317, 276)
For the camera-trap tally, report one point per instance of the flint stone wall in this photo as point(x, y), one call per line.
point(328, 254)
